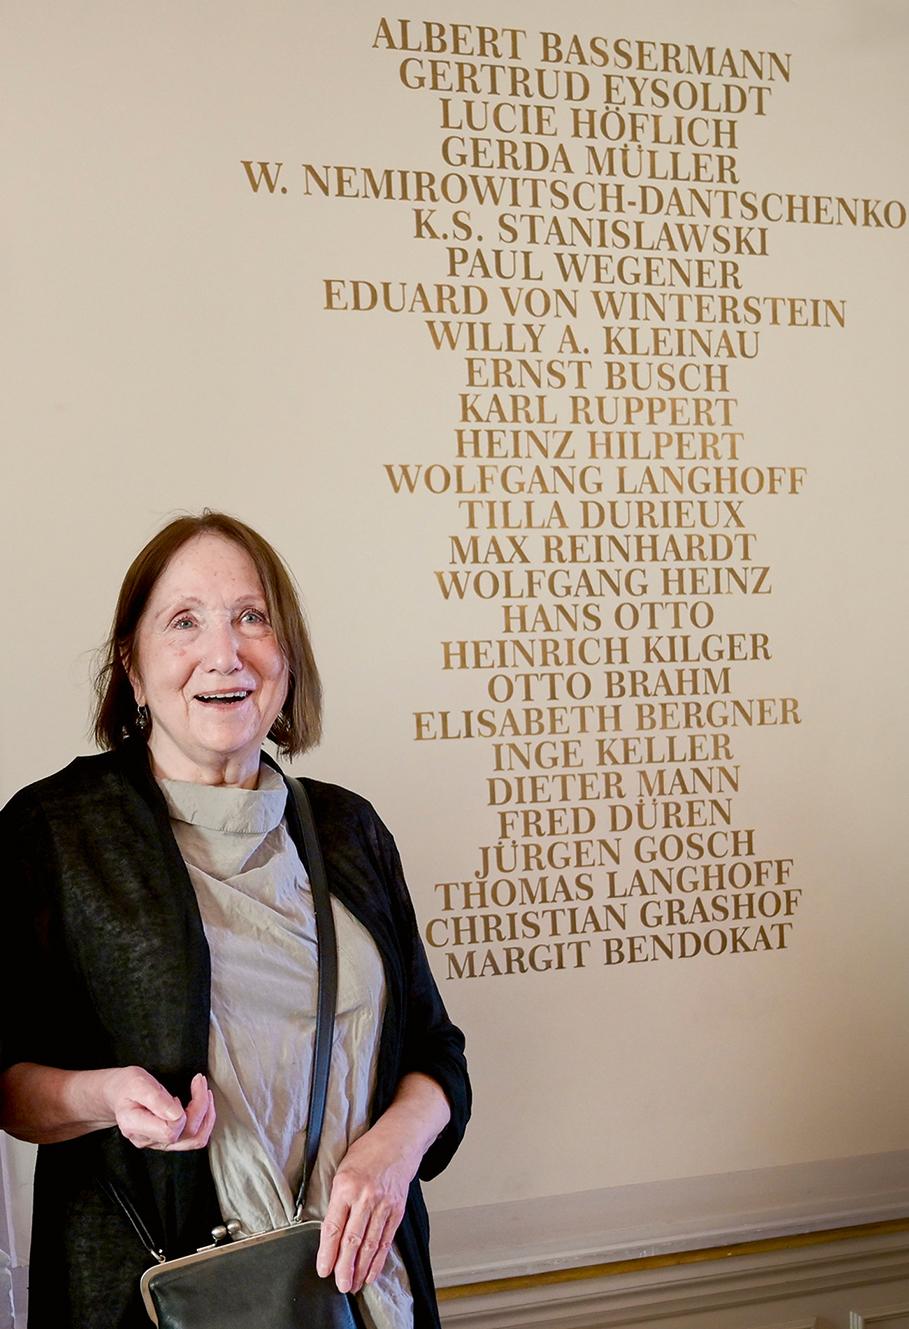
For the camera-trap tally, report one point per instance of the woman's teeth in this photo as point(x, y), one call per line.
point(222, 697)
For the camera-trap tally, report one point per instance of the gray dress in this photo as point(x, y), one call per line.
point(257, 911)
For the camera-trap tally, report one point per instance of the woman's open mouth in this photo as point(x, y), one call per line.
point(222, 698)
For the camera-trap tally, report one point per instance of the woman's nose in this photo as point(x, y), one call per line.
point(223, 648)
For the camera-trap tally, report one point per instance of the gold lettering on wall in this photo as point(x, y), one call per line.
point(592, 267)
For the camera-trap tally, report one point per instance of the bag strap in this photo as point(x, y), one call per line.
point(327, 950)
point(133, 1217)
point(328, 987)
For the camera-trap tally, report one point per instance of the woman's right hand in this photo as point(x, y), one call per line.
point(151, 1118)
point(43, 1104)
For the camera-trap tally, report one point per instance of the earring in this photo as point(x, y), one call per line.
point(142, 719)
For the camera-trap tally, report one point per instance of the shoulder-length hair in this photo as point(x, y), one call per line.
point(298, 726)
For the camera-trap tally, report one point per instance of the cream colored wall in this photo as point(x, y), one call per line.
point(167, 350)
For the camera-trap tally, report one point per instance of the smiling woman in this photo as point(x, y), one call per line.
point(235, 564)
point(161, 978)
point(207, 667)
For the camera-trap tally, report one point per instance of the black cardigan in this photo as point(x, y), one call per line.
point(105, 963)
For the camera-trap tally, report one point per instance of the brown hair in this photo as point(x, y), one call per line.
point(299, 723)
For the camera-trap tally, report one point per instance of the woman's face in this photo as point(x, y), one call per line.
point(207, 665)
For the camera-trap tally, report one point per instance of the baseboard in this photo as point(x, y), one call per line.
point(858, 1281)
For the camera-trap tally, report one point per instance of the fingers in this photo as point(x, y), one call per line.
point(350, 1244)
point(381, 1252)
point(197, 1106)
point(357, 1232)
point(363, 1246)
point(343, 1231)
point(198, 1138)
point(151, 1118)
point(147, 1131)
point(132, 1087)
point(372, 1249)
point(333, 1225)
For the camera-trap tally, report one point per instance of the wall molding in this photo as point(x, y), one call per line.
point(887, 1317)
point(588, 1228)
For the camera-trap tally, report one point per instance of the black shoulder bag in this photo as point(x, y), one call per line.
point(270, 1278)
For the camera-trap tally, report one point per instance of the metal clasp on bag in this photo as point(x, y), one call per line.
point(221, 1234)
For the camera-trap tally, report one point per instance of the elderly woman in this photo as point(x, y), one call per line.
point(159, 980)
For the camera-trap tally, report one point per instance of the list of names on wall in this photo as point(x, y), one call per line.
point(588, 255)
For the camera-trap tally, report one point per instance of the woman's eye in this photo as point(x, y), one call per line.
point(184, 621)
point(253, 616)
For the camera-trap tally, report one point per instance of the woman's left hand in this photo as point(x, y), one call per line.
point(369, 1191)
point(367, 1202)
